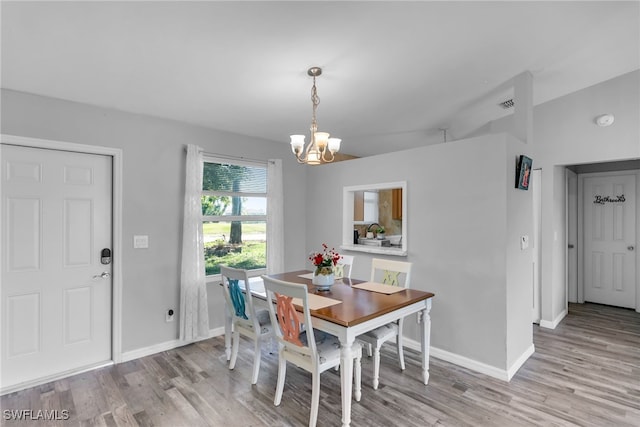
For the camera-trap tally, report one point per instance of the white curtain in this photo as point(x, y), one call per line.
point(275, 217)
point(194, 313)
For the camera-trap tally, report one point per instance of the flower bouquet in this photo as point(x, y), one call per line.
point(323, 275)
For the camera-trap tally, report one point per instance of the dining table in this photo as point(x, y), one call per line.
point(357, 307)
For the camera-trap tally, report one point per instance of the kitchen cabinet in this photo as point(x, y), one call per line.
point(396, 203)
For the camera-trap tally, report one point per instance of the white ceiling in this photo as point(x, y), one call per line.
point(394, 72)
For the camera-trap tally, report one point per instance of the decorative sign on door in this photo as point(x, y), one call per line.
point(601, 200)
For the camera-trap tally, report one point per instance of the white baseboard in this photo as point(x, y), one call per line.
point(216, 332)
point(520, 361)
point(165, 346)
point(153, 349)
point(474, 365)
point(552, 324)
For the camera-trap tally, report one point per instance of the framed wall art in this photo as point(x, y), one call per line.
point(523, 172)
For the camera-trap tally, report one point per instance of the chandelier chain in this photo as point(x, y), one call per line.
point(315, 100)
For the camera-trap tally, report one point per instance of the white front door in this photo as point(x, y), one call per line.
point(610, 239)
point(56, 294)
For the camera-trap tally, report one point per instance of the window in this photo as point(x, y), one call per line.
point(234, 209)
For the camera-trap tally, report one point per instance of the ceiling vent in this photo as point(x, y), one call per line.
point(507, 104)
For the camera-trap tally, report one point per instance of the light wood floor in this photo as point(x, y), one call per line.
point(585, 372)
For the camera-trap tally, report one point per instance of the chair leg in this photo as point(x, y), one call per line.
point(358, 377)
point(282, 372)
point(315, 398)
point(400, 350)
point(256, 360)
point(234, 349)
point(376, 367)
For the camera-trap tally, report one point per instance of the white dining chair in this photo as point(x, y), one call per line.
point(396, 273)
point(298, 342)
point(344, 266)
point(246, 319)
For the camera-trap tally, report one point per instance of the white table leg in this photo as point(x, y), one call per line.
point(425, 328)
point(346, 379)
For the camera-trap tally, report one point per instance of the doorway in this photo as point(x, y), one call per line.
point(60, 289)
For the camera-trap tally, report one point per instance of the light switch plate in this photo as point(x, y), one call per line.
point(140, 242)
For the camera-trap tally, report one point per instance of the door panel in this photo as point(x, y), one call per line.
point(78, 215)
point(77, 315)
point(23, 334)
point(23, 221)
point(56, 306)
point(609, 235)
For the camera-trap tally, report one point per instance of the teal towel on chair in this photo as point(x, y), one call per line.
point(237, 298)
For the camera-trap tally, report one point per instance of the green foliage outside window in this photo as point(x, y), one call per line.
point(252, 256)
point(214, 205)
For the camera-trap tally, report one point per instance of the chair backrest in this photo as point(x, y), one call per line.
point(288, 321)
point(344, 266)
point(237, 292)
point(397, 273)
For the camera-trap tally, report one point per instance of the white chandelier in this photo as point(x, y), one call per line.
point(316, 152)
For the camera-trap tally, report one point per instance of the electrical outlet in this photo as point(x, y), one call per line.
point(170, 314)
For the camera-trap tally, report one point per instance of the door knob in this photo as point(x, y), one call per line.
point(630, 248)
point(104, 275)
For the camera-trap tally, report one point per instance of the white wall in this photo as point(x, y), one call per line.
point(465, 218)
point(519, 262)
point(153, 181)
point(565, 134)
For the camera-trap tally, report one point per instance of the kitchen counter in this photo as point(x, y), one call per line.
point(383, 250)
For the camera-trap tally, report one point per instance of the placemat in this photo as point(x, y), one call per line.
point(316, 302)
point(378, 287)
